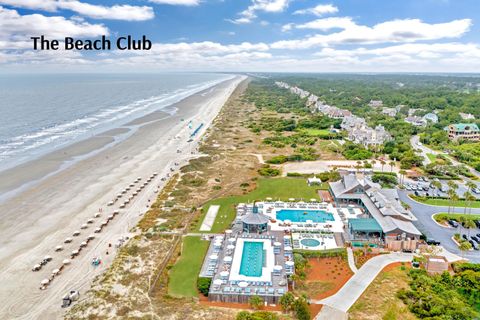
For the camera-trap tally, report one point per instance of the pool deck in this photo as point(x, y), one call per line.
point(228, 285)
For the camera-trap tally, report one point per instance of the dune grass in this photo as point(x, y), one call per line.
point(183, 276)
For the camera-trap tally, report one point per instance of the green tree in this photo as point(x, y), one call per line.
point(469, 224)
point(255, 302)
point(465, 246)
point(301, 309)
point(203, 285)
point(287, 302)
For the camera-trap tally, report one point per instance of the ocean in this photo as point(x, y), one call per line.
point(41, 113)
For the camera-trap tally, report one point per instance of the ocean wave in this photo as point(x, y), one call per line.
point(60, 134)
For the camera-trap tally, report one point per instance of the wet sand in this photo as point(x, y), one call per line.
point(40, 217)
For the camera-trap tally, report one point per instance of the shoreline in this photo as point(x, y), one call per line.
point(21, 177)
point(40, 218)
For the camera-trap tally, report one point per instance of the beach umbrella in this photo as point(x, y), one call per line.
point(68, 240)
point(96, 215)
point(104, 223)
point(155, 173)
point(98, 230)
point(48, 258)
point(55, 271)
point(36, 267)
point(116, 212)
point(75, 252)
point(83, 244)
point(277, 268)
point(232, 240)
point(58, 248)
point(227, 259)
point(277, 244)
point(66, 261)
point(217, 282)
point(84, 226)
point(45, 281)
point(230, 247)
point(90, 221)
point(243, 284)
point(110, 217)
point(119, 195)
point(90, 237)
point(224, 274)
point(288, 248)
point(289, 263)
point(213, 257)
point(110, 203)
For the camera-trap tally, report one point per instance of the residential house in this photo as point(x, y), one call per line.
point(467, 116)
point(416, 121)
point(466, 131)
point(391, 112)
point(375, 103)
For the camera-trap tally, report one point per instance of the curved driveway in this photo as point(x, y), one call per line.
point(431, 229)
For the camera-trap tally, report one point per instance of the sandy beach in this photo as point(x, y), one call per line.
point(73, 184)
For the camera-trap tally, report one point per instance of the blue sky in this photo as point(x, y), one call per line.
point(248, 35)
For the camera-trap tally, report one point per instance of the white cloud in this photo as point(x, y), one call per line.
point(328, 23)
point(16, 30)
point(115, 12)
point(407, 30)
point(177, 2)
point(319, 10)
point(248, 15)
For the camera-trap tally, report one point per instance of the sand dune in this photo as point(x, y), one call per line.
point(40, 217)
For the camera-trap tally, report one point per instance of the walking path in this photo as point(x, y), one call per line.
point(351, 260)
point(339, 303)
point(209, 218)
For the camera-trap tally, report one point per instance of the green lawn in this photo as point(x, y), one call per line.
point(446, 202)
point(317, 132)
point(432, 157)
point(443, 216)
point(183, 276)
point(276, 188)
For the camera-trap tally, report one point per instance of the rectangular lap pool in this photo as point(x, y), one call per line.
point(253, 257)
point(302, 215)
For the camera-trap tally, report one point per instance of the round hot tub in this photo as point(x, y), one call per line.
point(310, 242)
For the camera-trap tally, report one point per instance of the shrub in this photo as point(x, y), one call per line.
point(267, 171)
point(203, 285)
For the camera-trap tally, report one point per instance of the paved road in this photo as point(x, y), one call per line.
point(351, 260)
point(342, 301)
point(431, 229)
point(414, 141)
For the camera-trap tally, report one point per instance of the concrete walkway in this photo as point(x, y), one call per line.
point(209, 219)
point(351, 260)
point(340, 302)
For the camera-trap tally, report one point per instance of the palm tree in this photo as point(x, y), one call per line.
point(450, 194)
point(467, 196)
point(391, 164)
point(465, 246)
point(470, 198)
point(471, 186)
point(454, 199)
point(469, 224)
point(402, 176)
point(436, 184)
point(382, 162)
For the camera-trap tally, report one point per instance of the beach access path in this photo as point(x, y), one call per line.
point(39, 218)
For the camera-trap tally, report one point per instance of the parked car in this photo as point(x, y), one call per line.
point(474, 238)
point(453, 223)
point(433, 242)
point(464, 236)
point(476, 190)
point(477, 223)
point(474, 245)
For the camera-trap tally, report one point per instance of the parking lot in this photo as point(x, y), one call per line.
point(433, 230)
point(424, 187)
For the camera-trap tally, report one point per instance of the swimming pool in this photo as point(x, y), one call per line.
point(253, 257)
point(302, 215)
point(310, 242)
